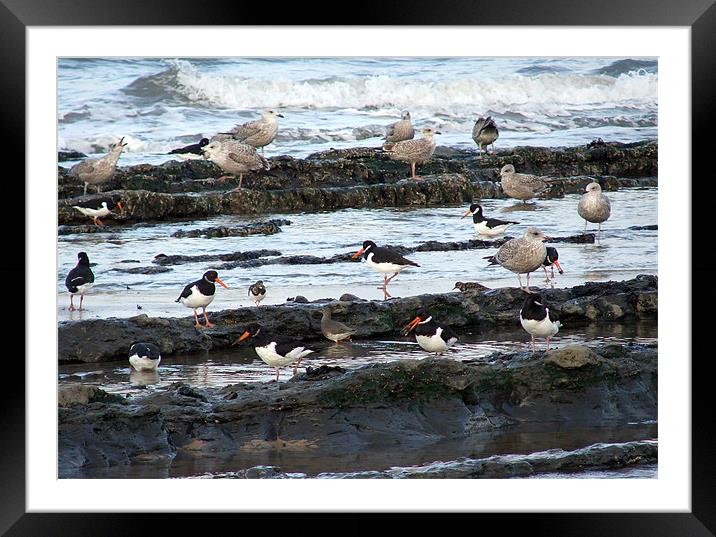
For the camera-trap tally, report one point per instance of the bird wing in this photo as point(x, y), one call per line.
point(284, 344)
point(186, 292)
point(410, 148)
point(447, 333)
point(534, 183)
point(384, 255)
point(94, 203)
point(494, 222)
point(507, 251)
point(477, 129)
point(246, 130)
point(86, 166)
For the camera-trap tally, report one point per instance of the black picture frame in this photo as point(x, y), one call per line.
point(700, 16)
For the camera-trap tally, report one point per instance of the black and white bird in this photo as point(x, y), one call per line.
point(550, 261)
point(487, 226)
point(275, 350)
point(431, 335)
point(200, 294)
point(144, 356)
point(385, 261)
point(538, 320)
point(257, 292)
point(192, 150)
point(79, 280)
point(98, 208)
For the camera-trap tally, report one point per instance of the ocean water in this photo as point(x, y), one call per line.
point(159, 104)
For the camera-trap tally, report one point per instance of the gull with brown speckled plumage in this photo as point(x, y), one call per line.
point(522, 255)
point(413, 151)
point(521, 186)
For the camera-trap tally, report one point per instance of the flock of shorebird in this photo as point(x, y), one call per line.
point(235, 152)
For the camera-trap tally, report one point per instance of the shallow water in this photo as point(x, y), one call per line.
point(161, 104)
point(620, 254)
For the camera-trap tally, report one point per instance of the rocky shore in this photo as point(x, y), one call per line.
point(362, 178)
point(108, 339)
point(329, 411)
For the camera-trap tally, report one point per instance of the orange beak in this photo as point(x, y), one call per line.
point(468, 212)
point(244, 336)
point(221, 283)
point(358, 253)
point(559, 267)
point(121, 207)
point(411, 325)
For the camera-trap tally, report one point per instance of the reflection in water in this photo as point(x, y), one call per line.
point(521, 207)
point(144, 378)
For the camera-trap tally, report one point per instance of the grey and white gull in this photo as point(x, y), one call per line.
point(258, 133)
point(400, 130)
point(485, 133)
point(522, 255)
point(97, 171)
point(594, 206)
point(521, 186)
point(413, 151)
point(235, 158)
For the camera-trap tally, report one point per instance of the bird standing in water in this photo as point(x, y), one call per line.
point(79, 280)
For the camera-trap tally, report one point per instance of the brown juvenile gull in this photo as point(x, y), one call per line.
point(485, 133)
point(95, 171)
point(521, 186)
point(522, 255)
point(334, 330)
point(258, 133)
point(235, 158)
point(400, 130)
point(413, 151)
point(594, 206)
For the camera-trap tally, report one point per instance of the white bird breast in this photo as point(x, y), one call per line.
point(543, 328)
point(142, 363)
point(386, 268)
point(196, 299)
point(96, 213)
point(269, 355)
point(482, 229)
point(435, 343)
point(82, 289)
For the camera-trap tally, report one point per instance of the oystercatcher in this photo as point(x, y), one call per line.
point(538, 320)
point(487, 226)
point(144, 356)
point(385, 261)
point(276, 351)
point(200, 294)
point(257, 292)
point(79, 280)
point(594, 206)
point(193, 149)
point(430, 335)
point(550, 260)
point(334, 330)
point(98, 208)
point(522, 255)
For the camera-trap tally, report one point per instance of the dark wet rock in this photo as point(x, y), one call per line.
point(585, 238)
point(652, 227)
point(164, 259)
point(89, 228)
point(572, 356)
point(347, 297)
point(81, 394)
point(268, 227)
point(328, 412)
point(63, 156)
point(298, 299)
point(320, 373)
point(129, 261)
point(143, 270)
point(100, 340)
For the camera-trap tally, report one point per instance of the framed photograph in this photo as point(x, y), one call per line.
point(295, 163)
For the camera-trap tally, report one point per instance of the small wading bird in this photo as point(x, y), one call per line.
point(276, 351)
point(257, 292)
point(470, 286)
point(385, 261)
point(489, 227)
point(400, 130)
point(430, 335)
point(99, 208)
point(538, 320)
point(334, 330)
point(413, 151)
point(485, 133)
point(144, 356)
point(97, 171)
point(258, 133)
point(550, 260)
point(79, 280)
point(235, 158)
point(522, 255)
point(521, 186)
point(200, 294)
point(594, 206)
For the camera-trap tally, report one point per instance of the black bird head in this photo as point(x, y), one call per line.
point(552, 257)
point(203, 142)
point(367, 245)
point(422, 315)
point(83, 258)
point(212, 276)
point(475, 208)
point(251, 330)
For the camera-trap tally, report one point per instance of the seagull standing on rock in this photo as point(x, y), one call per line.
point(257, 133)
point(235, 158)
point(485, 133)
point(96, 171)
point(521, 186)
point(413, 151)
point(522, 255)
point(594, 206)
